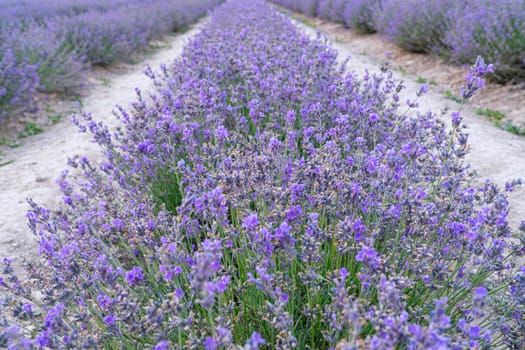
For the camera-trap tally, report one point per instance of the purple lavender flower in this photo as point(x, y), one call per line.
point(294, 213)
point(134, 276)
point(163, 345)
point(109, 320)
point(210, 344)
point(104, 301)
point(480, 293)
point(456, 119)
point(474, 80)
point(251, 222)
point(369, 257)
point(43, 339)
point(254, 341)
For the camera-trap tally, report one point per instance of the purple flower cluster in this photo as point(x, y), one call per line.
point(459, 31)
point(47, 46)
point(261, 198)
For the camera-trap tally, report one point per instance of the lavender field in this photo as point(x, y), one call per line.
point(48, 46)
point(262, 196)
point(456, 30)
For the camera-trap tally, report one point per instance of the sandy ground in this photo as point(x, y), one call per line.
point(37, 163)
point(494, 154)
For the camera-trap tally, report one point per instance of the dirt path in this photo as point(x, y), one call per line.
point(495, 154)
point(37, 164)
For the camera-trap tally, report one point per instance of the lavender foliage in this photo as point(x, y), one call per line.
point(261, 198)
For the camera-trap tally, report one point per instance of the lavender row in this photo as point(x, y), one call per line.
point(51, 8)
point(261, 198)
point(457, 30)
point(52, 52)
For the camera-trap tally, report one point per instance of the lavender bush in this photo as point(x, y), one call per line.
point(105, 37)
point(18, 83)
point(65, 38)
point(308, 7)
point(263, 199)
point(360, 15)
point(419, 26)
point(458, 31)
point(50, 8)
point(331, 9)
point(58, 65)
point(494, 29)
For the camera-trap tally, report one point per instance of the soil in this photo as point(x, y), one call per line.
point(494, 154)
point(30, 169)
